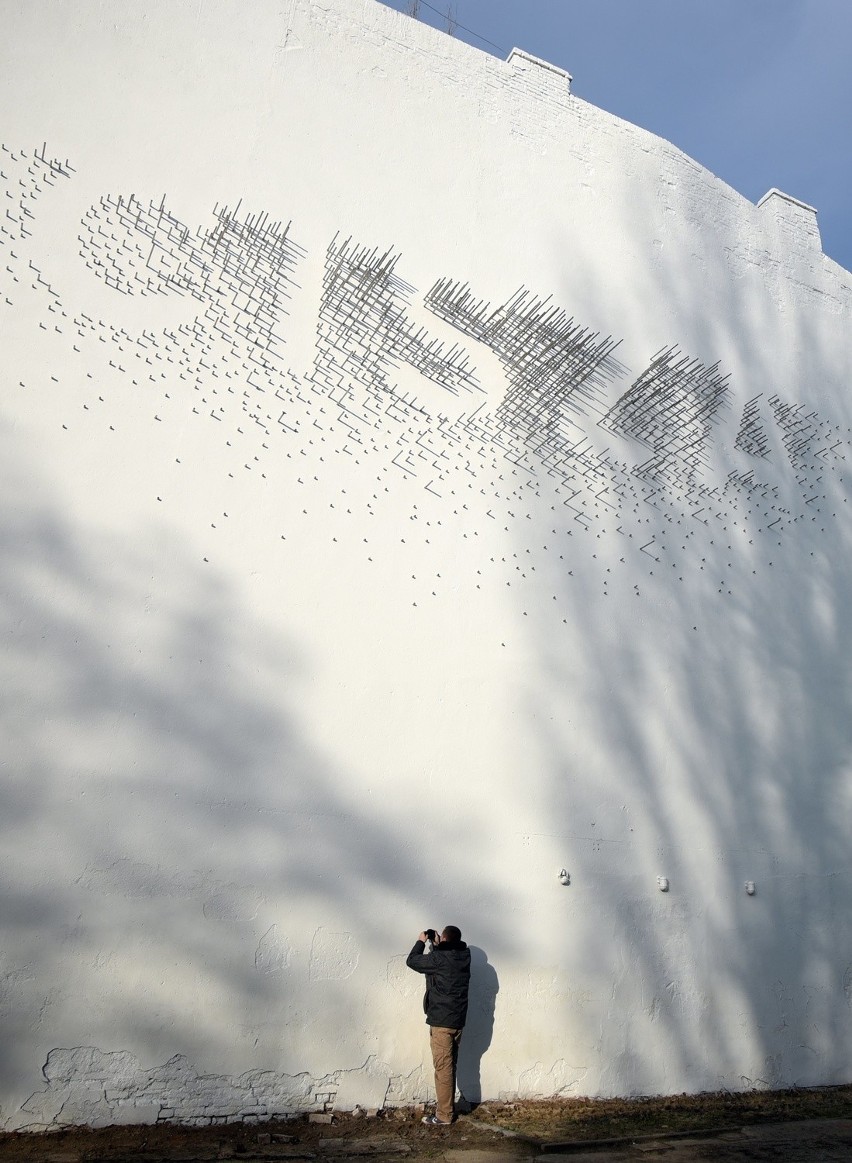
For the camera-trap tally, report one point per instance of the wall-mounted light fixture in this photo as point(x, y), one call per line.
point(663, 883)
point(750, 887)
point(564, 877)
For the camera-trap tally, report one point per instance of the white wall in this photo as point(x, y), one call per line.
point(318, 629)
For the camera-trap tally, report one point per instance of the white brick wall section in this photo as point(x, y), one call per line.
point(793, 217)
point(542, 75)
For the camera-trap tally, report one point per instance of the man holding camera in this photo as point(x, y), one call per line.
point(446, 965)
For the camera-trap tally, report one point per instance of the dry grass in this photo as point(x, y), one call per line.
point(561, 1120)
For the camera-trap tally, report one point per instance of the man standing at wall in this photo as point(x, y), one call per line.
point(447, 969)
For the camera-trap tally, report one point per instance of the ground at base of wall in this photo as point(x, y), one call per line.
point(571, 1119)
point(490, 1131)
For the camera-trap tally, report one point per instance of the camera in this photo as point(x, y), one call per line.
point(431, 934)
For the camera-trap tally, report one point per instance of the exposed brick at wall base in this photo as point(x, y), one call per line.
point(87, 1086)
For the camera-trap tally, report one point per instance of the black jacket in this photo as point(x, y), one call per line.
point(447, 970)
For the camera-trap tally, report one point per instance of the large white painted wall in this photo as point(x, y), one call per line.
point(347, 590)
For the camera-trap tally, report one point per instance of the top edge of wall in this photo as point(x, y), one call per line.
point(544, 78)
point(776, 193)
point(520, 60)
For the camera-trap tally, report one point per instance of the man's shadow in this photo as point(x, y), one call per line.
point(478, 1029)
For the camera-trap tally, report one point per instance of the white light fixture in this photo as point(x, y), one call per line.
point(564, 877)
point(750, 887)
point(663, 883)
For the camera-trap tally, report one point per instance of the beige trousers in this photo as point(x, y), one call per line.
point(445, 1048)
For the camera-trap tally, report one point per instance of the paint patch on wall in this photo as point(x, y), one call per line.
point(233, 902)
point(273, 952)
point(542, 1081)
point(334, 956)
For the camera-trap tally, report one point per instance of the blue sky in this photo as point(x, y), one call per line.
point(758, 91)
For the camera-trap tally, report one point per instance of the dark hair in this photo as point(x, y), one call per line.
point(451, 933)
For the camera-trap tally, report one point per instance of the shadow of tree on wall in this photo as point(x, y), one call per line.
point(162, 800)
point(160, 808)
point(702, 731)
point(705, 973)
